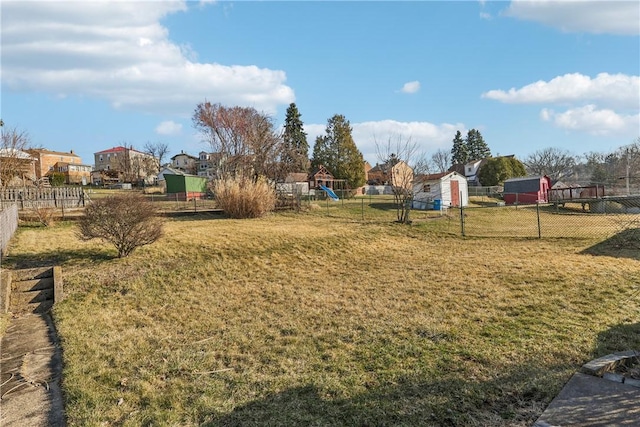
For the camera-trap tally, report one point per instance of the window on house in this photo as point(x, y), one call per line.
point(100, 157)
point(469, 169)
point(426, 188)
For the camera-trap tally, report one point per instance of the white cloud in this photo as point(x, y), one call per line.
point(119, 51)
point(168, 127)
point(613, 17)
point(616, 90)
point(411, 87)
point(485, 15)
point(592, 120)
point(427, 136)
point(608, 104)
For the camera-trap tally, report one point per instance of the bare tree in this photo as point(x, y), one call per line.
point(551, 161)
point(127, 221)
point(441, 160)
point(245, 140)
point(158, 150)
point(396, 155)
point(14, 162)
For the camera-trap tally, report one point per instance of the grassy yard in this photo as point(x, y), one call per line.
point(314, 319)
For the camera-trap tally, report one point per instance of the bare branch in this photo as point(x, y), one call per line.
point(14, 161)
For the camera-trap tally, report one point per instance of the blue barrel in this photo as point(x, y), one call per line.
point(437, 204)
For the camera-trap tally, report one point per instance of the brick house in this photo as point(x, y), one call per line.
point(122, 164)
point(69, 164)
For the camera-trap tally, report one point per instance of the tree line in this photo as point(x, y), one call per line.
point(247, 144)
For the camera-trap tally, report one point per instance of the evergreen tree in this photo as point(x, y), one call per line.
point(459, 152)
point(476, 146)
point(295, 149)
point(338, 152)
point(498, 169)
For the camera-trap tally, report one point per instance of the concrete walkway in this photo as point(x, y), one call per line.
point(595, 398)
point(30, 368)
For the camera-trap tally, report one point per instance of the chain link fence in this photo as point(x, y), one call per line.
point(599, 218)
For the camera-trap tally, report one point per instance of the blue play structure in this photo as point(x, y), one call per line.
point(330, 192)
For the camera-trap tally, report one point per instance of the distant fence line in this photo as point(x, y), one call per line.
point(545, 220)
point(600, 218)
point(475, 190)
point(8, 225)
point(34, 197)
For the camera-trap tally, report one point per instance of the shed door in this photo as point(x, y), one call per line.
point(455, 193)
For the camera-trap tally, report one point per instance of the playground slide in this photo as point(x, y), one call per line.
point(330, 192)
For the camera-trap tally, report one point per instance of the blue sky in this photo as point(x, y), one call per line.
point(529, 75)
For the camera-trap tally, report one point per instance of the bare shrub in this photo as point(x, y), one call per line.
point(44, 214)
point(127, 221)
point(244, 198)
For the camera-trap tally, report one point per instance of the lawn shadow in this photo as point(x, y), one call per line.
point(384, 206)
point(625, 244)
point(517, 397)
point(621, 337)
point(194, 215)
point(58, 257)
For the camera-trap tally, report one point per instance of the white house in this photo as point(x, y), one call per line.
point(445, 189)
point(471, 170)
point(184, 162)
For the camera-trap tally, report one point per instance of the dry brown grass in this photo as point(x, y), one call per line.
point(317, 320)
point(244, 198)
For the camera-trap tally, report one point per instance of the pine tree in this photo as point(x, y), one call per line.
point(295, 149)
point(338, 152)
point(459, 152)
point(476, 147)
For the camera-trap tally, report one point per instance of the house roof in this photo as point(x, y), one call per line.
point(118, 149)
point(56, 153)
point(171, 171)
point(380, 168)
point(386, 166)
point(526, 178)
point(320, 169)
point(113, 150)
point(296, 177)
point(432, 176)
point(458, 167)
point(14, 153)
point(186, 155)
